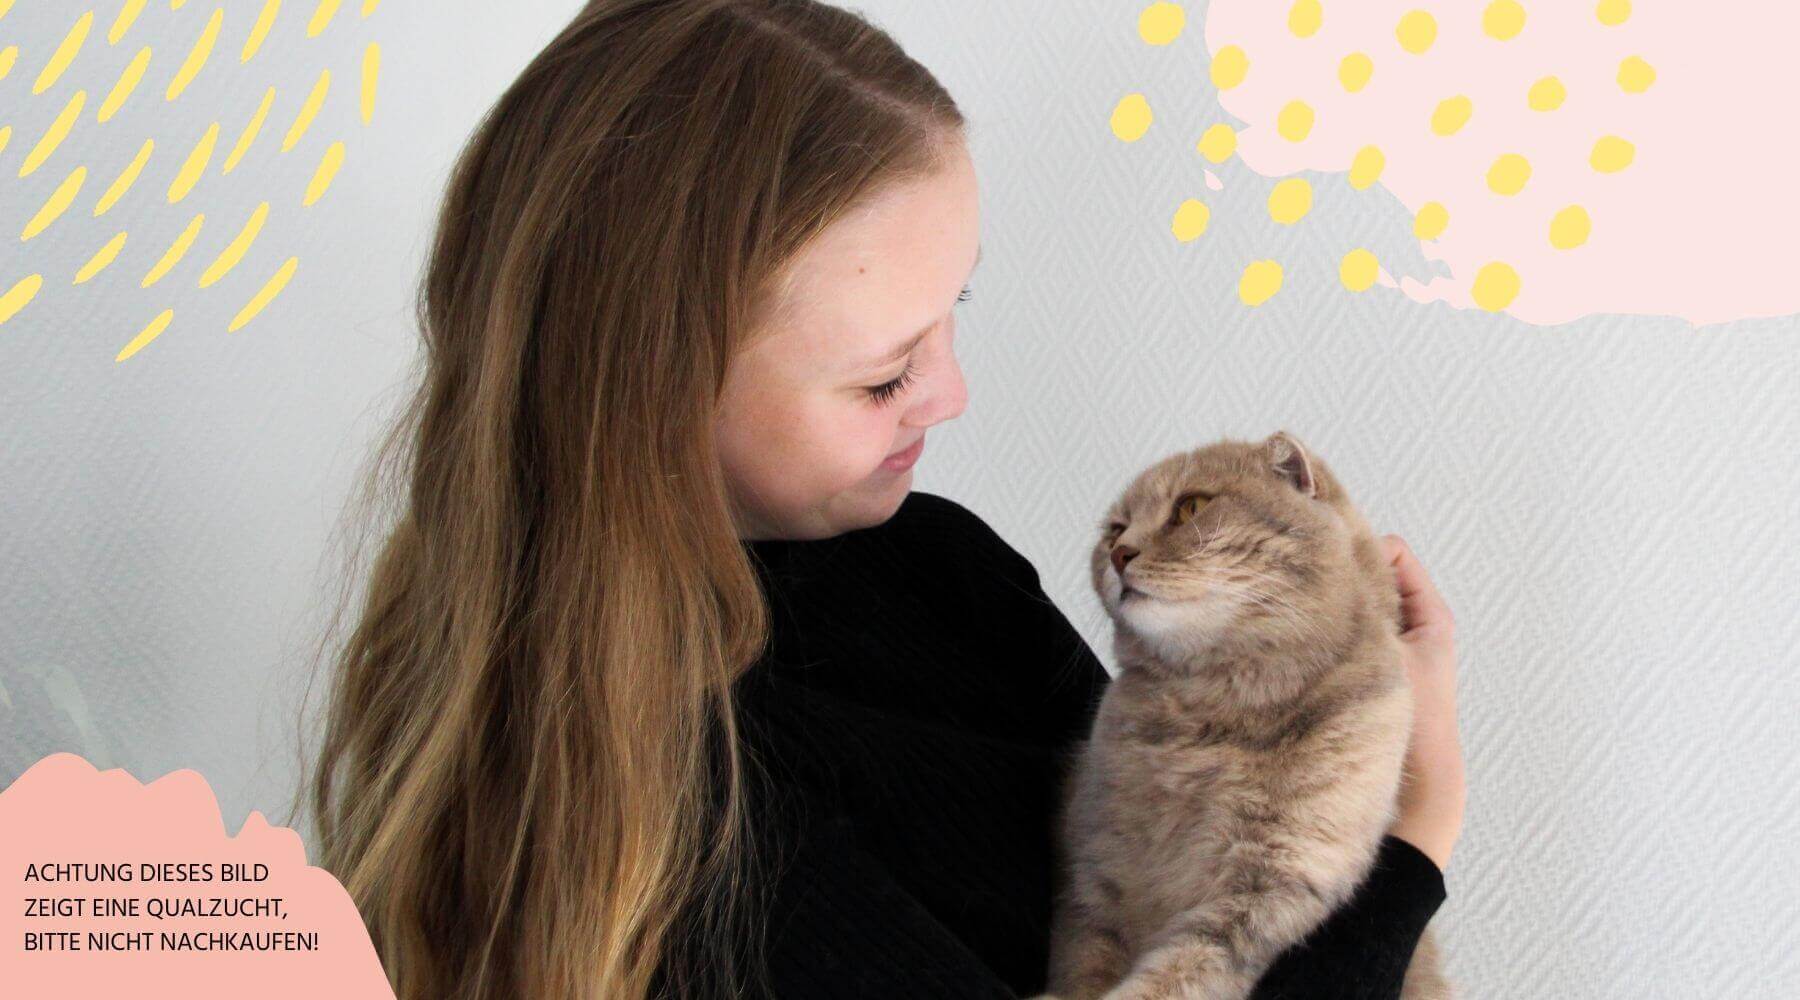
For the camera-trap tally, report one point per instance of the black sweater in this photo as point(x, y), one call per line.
point(915, 714)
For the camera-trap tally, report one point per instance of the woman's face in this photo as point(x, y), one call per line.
point(854, 365)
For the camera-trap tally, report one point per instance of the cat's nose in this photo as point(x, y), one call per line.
point(1120, 556)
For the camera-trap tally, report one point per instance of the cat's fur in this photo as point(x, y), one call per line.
point(1244, 763)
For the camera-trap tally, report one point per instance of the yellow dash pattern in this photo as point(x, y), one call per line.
point(8, 56)
point(1635, 75)
point(146, 335)
point(64, 55)
point(177, 4)
point(248, 135)
point(1290, 200)
point(371, 70)
point(196, 57)
point(369, 6)
point(176, 251)
point(1304, 18)
point(122, 23)
point(1229, 67)
point(5, 5)
point(5, 136)
point(1547, 94)
point(1613, 12)
point(1570, 228)
point(228, 258)
point(54, 135)
point(56, 204)
point(125, 84)
point(1260, 281)
point(1451, 114)
point(1508, 174)
point(308, 110)
point(1159, 24)
point(1416, 31)
point(1503, 19)
point(101, 258)
point(1354, 71)
point(1294, 121)
point(1496, 285)
point(1431, 221)
point(20, 293)
point(123, 182)
point(260, 30)
point(1611, 154)
point(194, 165)
point(327, 169)
point(1190, 220)
point(322, 15)
point(1366, 167)
point(1218, 142)
point(1131, 118)
point(1359, 269)
point(264, 295)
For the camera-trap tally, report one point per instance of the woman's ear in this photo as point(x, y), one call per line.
point(1289, 460)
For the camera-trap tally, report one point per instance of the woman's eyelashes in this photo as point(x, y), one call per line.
point(886, 391)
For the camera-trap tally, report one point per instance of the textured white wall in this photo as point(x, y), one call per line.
point(1608, 505)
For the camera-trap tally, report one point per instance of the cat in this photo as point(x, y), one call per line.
point(1243, 764)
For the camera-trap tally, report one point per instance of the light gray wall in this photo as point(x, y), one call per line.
point(1608, 505)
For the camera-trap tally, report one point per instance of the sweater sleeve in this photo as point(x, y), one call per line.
point(1361, 951)
point(843, 927)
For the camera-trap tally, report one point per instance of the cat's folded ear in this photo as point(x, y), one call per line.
point(1289, 460)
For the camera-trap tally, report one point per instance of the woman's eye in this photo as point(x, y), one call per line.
point(886, 391)
point(965, 295)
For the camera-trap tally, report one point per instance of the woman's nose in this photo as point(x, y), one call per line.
point(1121, 555)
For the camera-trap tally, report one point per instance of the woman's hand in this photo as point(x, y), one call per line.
point(1433, 790)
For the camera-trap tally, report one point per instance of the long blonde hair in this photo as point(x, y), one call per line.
point(530, 769)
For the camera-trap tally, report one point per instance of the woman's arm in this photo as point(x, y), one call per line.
point(1360, 952)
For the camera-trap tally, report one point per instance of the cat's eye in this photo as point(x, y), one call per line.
point(1187, 506)
point(1112, 530)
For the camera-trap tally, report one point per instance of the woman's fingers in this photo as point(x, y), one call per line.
point(1425, 611)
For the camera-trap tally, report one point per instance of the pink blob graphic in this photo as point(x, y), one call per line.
point(69, 834)
point(1701, 224)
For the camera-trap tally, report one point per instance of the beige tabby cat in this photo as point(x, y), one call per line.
point(1244, 763)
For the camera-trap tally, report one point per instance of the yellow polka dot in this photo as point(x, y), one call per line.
point(1218, 143)
point(1496, 285)
point(1636, 75)
point(1290, 200)
point(1611, 12)
point(1295, 121)
point(1229, 66)
point(1430, 222)
point(1365, 168)
point(1547, 94)
point(1416, 31)
point(1304, 18)
point(1503, 19)
point(1161, 23)
point(1358, 270)
point(1451, 114)
point(1261, 280)
point(1508, 174)
point(1611, 154)
point(1131, 117)
point(1570, 228)
point(1354, 71)
point(1190, 220)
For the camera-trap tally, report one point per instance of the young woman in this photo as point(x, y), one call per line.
point(665, 683)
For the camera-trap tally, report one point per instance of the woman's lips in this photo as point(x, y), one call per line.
point(902, 460)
